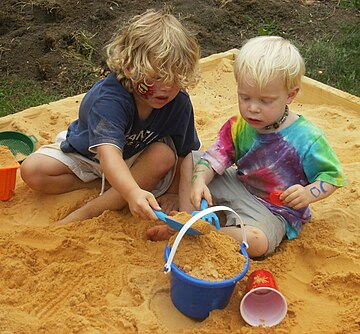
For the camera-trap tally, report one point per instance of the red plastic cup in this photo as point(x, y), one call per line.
point(275, 198)
point(263, 304)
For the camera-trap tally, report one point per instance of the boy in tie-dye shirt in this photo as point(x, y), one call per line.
point(268, 163)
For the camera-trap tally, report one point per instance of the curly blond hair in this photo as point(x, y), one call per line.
point(156, 45)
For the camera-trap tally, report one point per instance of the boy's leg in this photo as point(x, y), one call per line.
point(264, 230)
point(157, 154)
point(164, 232)
point(49, 175)
point(256, 239)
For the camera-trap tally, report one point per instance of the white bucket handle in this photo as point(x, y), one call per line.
point(192, 220)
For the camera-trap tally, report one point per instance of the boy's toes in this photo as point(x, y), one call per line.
point(173, 213)
point(159, 233)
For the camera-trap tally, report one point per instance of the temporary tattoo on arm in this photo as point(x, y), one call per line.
point(195, 174)
point(205, 163)
point(315, 192)
point(322, 187)
point(198, 169)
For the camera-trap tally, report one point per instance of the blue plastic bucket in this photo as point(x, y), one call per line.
point(194, 297)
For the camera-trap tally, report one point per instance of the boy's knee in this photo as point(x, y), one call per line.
point(29, 172)
point(163, 156)
point(26, 170)
point(257, 240)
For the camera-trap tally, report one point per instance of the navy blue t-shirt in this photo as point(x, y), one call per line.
point(108, 115)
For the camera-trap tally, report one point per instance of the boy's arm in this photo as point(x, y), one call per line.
point(202, 176)
point(298, 197)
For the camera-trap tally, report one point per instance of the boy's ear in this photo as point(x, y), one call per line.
point(292, 94)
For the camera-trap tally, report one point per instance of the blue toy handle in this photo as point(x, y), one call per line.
point(161, 215)
point(203, 204)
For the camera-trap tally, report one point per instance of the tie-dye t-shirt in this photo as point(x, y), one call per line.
point(298, 154)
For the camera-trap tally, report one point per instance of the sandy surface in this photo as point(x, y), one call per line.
point(7, 159)
point(103, 276)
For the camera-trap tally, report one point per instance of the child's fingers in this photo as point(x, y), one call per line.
point(153, 203)
point(208, 197)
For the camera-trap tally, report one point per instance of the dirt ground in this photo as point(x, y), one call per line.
point(59, 43)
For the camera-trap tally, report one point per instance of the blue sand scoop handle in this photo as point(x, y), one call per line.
point(173, 223)
point(161, 215)
point(204, 205)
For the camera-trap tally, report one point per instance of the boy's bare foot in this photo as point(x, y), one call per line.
point(77, 215)
point(159, 233)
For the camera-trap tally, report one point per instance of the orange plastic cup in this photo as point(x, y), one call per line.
point(8, 181)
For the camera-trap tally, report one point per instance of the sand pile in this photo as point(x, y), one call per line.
point(212, 257)
point(7, 159)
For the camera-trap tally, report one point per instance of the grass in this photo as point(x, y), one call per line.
point(335, 62)
point(17, 95)
point(350, 4)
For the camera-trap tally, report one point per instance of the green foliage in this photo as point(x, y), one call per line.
point(83, 45)
point(270, 28)
point(18, 95)
point(335, 62)
point(350, 4)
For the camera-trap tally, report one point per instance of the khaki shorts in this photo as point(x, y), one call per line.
point(88, 170)
point(229, 191)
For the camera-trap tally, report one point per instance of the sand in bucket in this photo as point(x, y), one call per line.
point(206, 269)
point(213, 257)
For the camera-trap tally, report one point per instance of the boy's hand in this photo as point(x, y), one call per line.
point(141, 203)
point(296, 197)
point(198, 192)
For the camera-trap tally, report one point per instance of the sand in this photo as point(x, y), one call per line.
point(103, 276)
point(7, 159)
point(213, 257)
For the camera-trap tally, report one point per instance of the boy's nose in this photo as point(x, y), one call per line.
point(254, 107)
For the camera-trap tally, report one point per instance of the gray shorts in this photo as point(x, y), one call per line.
point(88, 170)
point(229, 191)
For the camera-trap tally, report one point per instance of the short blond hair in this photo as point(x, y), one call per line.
point(265, 58)
point(155, 44)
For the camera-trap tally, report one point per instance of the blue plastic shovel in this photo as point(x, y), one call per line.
point(173, 223)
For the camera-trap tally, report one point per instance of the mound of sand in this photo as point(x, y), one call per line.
point(103, 276)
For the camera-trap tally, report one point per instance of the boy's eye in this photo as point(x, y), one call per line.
point(244, 98)
point(151, 81)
